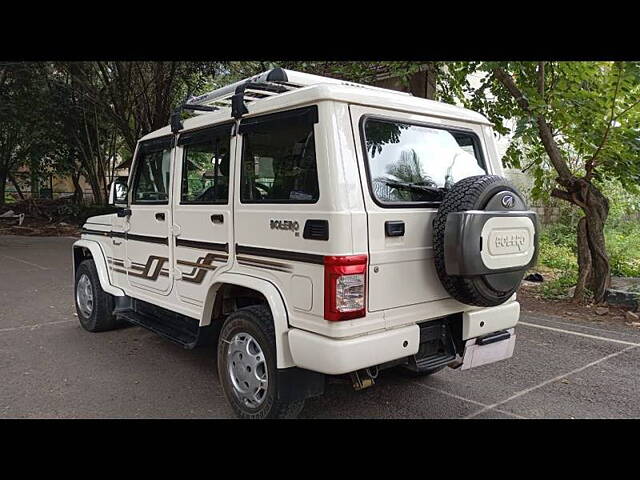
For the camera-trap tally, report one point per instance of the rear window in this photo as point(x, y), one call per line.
point(414, 163)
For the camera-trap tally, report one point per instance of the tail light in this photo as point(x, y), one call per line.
point(344, 287)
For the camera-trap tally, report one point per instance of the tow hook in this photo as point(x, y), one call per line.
point(364, 378)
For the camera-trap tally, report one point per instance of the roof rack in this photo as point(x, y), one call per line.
point(264, 85)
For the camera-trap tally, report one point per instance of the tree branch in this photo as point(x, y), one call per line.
point(634, 104)
point(546, 135)
point(591, 163)
point(541, 80)
point(561, 194)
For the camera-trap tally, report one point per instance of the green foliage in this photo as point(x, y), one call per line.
point(558, 247)
point(623, 247)
point(557, 288)
point(591, 106)
point(558, 250)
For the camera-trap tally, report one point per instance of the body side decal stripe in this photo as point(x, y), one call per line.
point(281, 254)
point(220, 247)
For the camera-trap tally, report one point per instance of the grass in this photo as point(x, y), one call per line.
point(558, 253)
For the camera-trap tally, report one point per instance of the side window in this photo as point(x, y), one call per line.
point(152, 178)
point(205, 171)
point(279, 161)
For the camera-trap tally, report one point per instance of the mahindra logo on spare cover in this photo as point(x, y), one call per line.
point(292, 225)
point(508, 201)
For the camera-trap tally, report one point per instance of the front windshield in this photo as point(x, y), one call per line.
point(404, 159)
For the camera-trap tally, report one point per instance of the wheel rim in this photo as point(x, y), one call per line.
point(84, 295)
point(247, 368)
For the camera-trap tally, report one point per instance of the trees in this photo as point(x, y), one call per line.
point(23, 134)
point(77, 118)
point(137, 97)
point(574, 121)
point(577, 119)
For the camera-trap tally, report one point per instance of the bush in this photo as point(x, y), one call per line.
point(559, 287)
point(558, 252)
point(558, 247)
point(623, 247)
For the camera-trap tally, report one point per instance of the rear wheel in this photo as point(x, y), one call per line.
point(247, 366)
point(93, 305)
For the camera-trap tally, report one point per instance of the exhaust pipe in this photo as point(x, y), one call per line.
point(364, 378)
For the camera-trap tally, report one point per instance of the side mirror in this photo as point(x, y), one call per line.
point(118, 192)
point(123, 212)
point(209, 175)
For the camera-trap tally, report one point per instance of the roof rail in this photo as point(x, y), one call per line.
point(264, 85)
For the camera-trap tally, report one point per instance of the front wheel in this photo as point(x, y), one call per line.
point(93, 305)
point(247, 366)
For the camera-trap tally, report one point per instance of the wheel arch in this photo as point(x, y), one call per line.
point(273, 299)
point(84, 249)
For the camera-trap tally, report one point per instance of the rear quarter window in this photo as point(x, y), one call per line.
point(279, 160)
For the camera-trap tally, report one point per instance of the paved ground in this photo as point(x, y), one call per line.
point(51, 368)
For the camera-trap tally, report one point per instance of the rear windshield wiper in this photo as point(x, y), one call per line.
point(416, 187)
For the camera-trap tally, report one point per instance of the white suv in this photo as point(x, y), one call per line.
point(313, 227)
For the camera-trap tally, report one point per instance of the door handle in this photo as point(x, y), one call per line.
point(394, 228)
point(160, 216)
point(217, 218)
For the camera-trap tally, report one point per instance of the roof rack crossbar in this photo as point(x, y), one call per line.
point(202, 108)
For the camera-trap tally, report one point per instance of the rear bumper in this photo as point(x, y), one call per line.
point(337, 356)
point(488, 320)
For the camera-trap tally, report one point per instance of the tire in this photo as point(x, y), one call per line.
point(252, 324)
point(472, 193)
point(100, 318)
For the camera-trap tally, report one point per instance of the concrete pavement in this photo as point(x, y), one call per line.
point(51, 368)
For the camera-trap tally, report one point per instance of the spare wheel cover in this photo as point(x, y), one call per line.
point(484, 240)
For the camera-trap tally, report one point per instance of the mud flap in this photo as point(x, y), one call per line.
point(298, 384)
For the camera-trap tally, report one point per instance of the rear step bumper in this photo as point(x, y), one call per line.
point(437, 347)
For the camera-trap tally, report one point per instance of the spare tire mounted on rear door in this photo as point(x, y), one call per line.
point(484, 240)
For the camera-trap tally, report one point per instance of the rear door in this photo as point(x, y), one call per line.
point(203, 218)
point(395, 150)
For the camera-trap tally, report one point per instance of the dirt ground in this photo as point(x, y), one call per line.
point(532, 302)
point(46, 218)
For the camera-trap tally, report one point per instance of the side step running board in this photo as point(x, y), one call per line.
point(173, 330)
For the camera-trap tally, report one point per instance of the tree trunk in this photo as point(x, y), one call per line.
point(16, 185)
point(596, 212)
point(431, 81)
point(98, 198)
point(596, 274)
point(3, 182)
point(78, 194)
point(584, 261)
